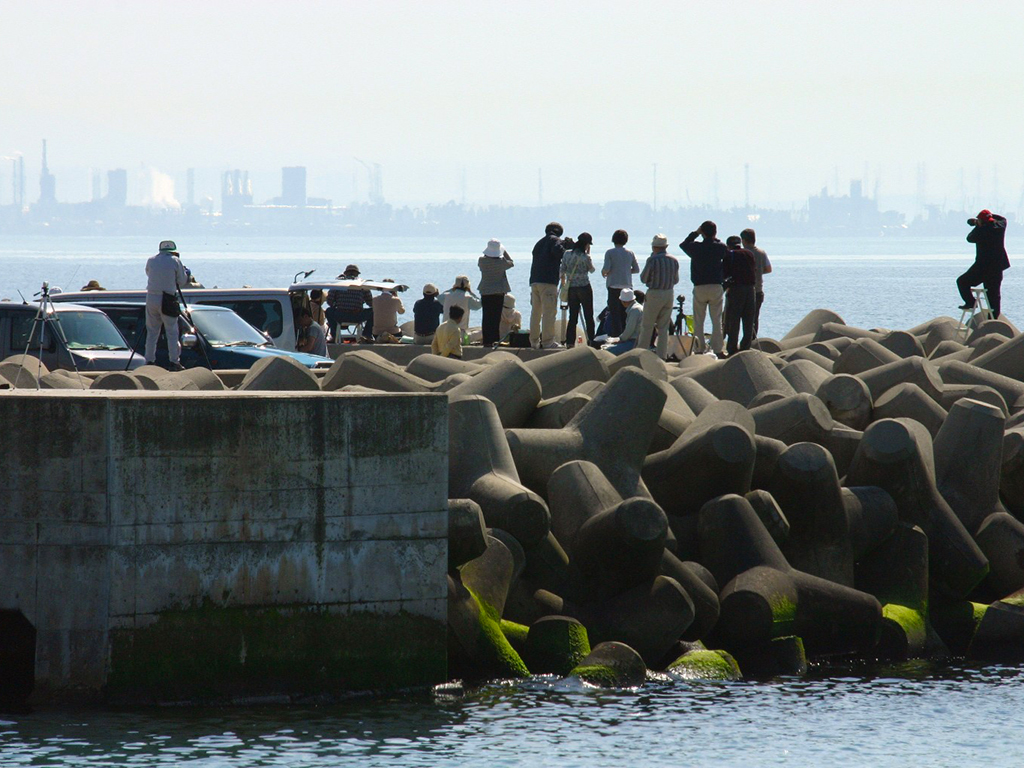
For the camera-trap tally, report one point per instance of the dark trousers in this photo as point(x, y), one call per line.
point(740, 306)
point(615, 322)
point(992, 280)
point(757, 312)
point(582, 297)
point(336, 317)
point(492, 304)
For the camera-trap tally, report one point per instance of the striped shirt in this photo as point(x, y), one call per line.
point(661, 272)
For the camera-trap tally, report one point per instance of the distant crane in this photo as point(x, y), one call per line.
point(373, 174)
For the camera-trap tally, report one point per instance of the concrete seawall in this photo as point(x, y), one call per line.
point(207, 545)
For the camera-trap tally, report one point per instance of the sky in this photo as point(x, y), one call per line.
point(478, 101)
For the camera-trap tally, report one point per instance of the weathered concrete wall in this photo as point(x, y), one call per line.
point(216, 544)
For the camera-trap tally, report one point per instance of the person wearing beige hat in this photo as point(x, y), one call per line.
point(660, 275)
point(93, 285)
point(462, 295)
point(494, 266)
point(426, 313)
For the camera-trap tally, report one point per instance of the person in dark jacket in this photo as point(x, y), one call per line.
point(740, 270)
point(706, 274)
point(547, 258)
point(990, 260)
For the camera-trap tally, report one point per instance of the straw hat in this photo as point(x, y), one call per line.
point(93, 285)
point(461, 282)
point(659, 241)
point(430, 290)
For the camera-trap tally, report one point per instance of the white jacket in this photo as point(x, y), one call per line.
point(166, 274)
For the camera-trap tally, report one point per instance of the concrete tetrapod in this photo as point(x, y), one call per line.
point(915, 370)
point(700, 586)
point(577, 491)
point(896, 572)
point(489, 576)
point(559, 373)
point(909, 401)
point(714, 456)
point(705, 665)
point(741, 377)
point(951, 393)
point(830, 331)
point(1011, 479)
point(803, 353)
point(368, 369)
point(765, 598)
point(480, 467)
point(903, 344)
point(435, 368)
point(812, 322)
point(467, 537)
point(556, 645)
point(279, 374)
point(768, 450)
point(797, 419)
point(958, 372)
point(770, 514)
point(612, 665)
point(692, 393)
point(613, 431)
point(510, 385)
point(863, 355)
point(1007, 359)
point(22, 370)
point(478, 647)
point(556, 412)
point(805, 376)
point(968, 459)
point(643, 359)
point(896, 455)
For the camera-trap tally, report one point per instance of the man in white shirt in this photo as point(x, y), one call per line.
point(165, 275)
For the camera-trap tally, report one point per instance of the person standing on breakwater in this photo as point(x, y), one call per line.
point(740, 270)
point(493, 286)
point(764, 267)
point(574, 272)
point(426, 314)
point(990, 260)
point(547, 257)
point(165, 275)
point(350, 306)
point(619, 267)
point(448, 337)
point(706, 274)
point(660, 275)
point(460, 295)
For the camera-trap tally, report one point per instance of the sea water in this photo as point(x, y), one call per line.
point(915, 714)
point(870, 282)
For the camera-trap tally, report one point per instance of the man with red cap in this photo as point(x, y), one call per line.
point(990, 259)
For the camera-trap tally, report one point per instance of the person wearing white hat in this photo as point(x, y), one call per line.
point(511, 318)
point(634, 319)
point(165, 275)
point(493, 286)
point(660, 275)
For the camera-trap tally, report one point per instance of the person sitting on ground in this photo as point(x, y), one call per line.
point(448, 336)
point(311, 335)
point(990, 260)
point(346, 305)
point(461, 295)
point(386, 309)
point(511, 318)
point(93, 285)
point(427, 314)
point(634, 319)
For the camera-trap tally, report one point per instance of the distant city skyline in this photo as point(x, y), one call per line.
point(467, 100)
point(909, 191)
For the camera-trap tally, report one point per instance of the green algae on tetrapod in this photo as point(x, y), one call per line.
point(706, 665)
point(597, 674)
point(492, 642)
point(212, 652)
point(515, 634)
point(556, 645)
point(783, 614)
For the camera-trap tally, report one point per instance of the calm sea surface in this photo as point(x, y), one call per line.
point(917, 715)
point(885, 283)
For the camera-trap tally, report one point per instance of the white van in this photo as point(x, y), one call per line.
point(274, 311)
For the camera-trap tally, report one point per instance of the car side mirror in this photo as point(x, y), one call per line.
point(189, 340)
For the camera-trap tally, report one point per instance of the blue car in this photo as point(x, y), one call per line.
point(224, 339)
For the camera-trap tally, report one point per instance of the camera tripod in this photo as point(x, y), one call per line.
point(46, 317)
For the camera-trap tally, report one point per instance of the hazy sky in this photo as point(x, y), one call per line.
point(594, 93)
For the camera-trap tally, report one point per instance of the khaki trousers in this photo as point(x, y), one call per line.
point(543, 307)
point(708, 298)
point(657, 314)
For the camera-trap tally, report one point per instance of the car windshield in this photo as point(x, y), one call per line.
point(90, 330)
point(226, 329)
